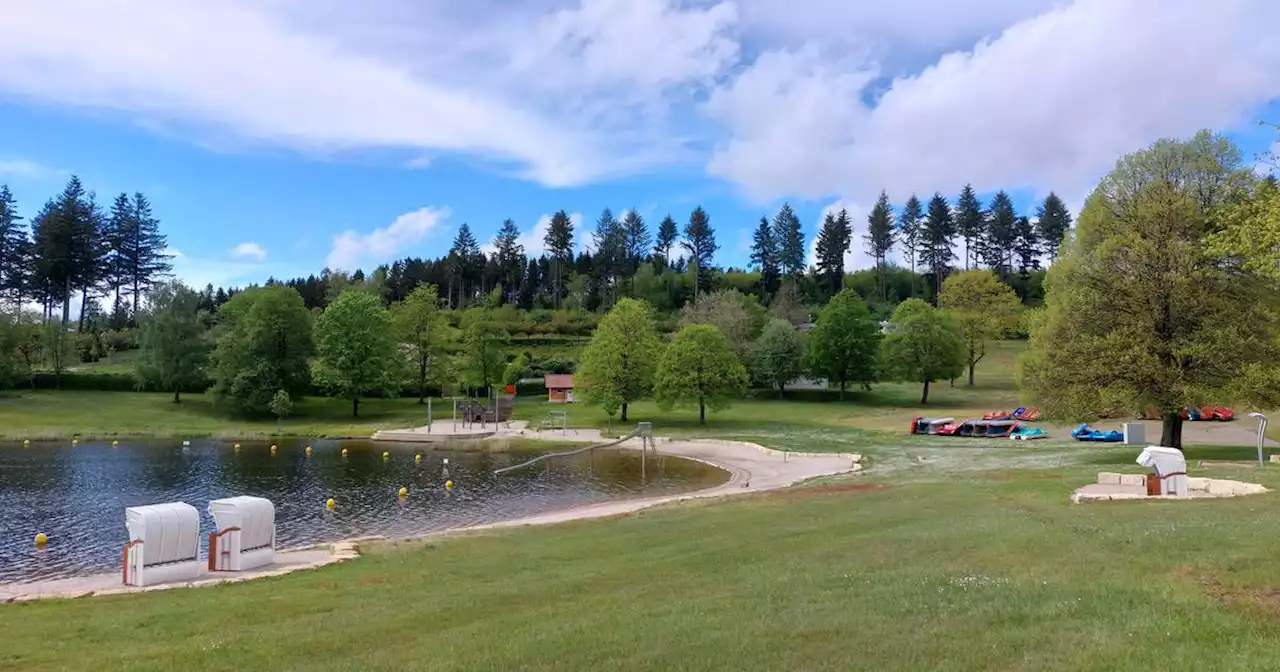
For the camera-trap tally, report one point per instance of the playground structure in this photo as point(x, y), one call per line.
point(556, 420)
point(643, 431)
point(498, 411)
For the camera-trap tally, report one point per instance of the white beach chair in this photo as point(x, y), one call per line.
point(246, 536)
point(1170, 467)
point(164, 544)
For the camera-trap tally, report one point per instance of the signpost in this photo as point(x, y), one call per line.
point(1262, 433)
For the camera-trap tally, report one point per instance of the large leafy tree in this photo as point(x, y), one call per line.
point(617, 365)
point(699, 368)
point(790, 241)
point(171, 340)
point(700, 243)
point(738, 316)
point(1251, 230)
point(879, 240)
point(926, 345)
point(985, 307)
point(1141, 313)
point(842, 345)
point(831, 246)
point(485, 348)
point(764, 254)
point(264, 344)
point(937, 233)
point(909, 222)
point(558, 242)
point(357, 348)
point(1053, 220)
point(419, 323)
point(969, 222)
point(779, 355)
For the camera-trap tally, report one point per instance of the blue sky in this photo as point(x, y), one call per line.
point(274, 137)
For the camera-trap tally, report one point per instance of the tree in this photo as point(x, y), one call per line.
point(508, 255)
point(559, 245)
point(357, 348)
point(738, 316)
point(937, 232)
point(831, 246)
point(264, 344)
point(171, 340)
point(466, 263)
point(1000, 235)
point(969, 222)
point(610, 252)
point(842, 345)
point(779, 355)
point(790, 240)
point(909, 233)
point(879, 240)
point(1052, 223)
point(700, 243)
point(1251, 231)
point(668, 233)
point(142, 256)
point(281, 405)
point(1026, 248)
point(788, 305)
point(1185, 324)
point(419, 323)
point(699, 367)
point(637, 239)
point(486, 355)
point(764, 254)
point(926, 345)
point(15, 250)
point(516, 369)
point(985, 308)
point(616, 368)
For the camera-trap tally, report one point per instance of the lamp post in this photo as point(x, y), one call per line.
point(1262, 433)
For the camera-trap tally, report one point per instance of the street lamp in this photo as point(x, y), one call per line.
point(1262, 433)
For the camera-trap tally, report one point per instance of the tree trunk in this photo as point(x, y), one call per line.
point(422, 381)
point(702, 412)
point(624, 411)
point(355, 407)
point(842, 386)
point(1171, 430)
point(84, 301)
point(177, 391)
point(971, 367)
point(924, 398)
point(781, 389)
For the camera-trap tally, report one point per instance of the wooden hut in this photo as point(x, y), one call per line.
point(559, 388)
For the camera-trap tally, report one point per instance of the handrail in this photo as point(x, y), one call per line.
point(567, 453)
point(213, 546)
point(128, 545)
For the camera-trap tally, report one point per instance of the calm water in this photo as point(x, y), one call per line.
point(77, 495)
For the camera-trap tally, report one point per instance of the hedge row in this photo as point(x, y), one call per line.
point(127, 382)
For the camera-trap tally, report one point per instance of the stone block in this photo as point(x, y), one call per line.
point(1221, 488)
point(1133, 479)
point(1197, 483)
point(1108, 478)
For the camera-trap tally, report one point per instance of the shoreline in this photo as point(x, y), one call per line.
point(751, 467)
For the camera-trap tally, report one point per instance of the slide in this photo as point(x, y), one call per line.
point(567, 453)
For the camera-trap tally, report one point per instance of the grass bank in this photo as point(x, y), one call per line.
point(988, 570)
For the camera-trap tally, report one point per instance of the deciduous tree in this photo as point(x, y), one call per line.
point(985, 308)
point(842, 345)
point(171, 340)
point(738, 316)
point(779, 355)
point(925, 345)
point(419, 323)
point(264, 344)
point(699, 367)
point(356, 346)
point(617, 366)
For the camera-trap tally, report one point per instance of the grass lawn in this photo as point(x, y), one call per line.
point(990, 570)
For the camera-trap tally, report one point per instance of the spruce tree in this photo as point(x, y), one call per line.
point(1000, 235)
point(790, 240)
point(831, 246)
point(509, 257)
point(879, 239)
point(909, 233)
point(969, 223)
point(1052, 223)
point(466, 264)
point(764, 254)
point(936, 237)
point(116, 273)
point(142, 251)
point(15, 249)
point(637, 239)
point(668, 232)
point(610, 241)
point(1026, 247)
point(700, 242)
point(559, 245)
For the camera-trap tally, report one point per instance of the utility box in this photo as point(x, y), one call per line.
point(1135, 434)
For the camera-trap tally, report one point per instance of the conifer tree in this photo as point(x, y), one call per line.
point(142, 254)
point(700, 243)
point(1000, 235)
point(936, 240)
point(15, 249)
point(879, 239)
point(764, 254)
point(559, 245)
point(790, 241)
point(508, 256)
point(668, 233)
point(909, 233)
point(830, 248)
point(1052, 223)
point(969, 222)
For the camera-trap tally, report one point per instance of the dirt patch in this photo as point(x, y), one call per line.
point(832, 489)
point(1260, 600)
point(1015, 476)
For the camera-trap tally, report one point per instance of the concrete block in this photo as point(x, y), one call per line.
point(1133, 479)
point(1197, 483)
point(1108, 478)
point(1221, 488)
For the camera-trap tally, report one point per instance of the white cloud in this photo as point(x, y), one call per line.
point(26, 168)
point(418, 162)
point(351, 249)
point(1050, 103)
point(250, 251)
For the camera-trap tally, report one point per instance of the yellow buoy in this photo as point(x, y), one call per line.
point(386, 455)
point(41, 538)
point(114, 444)
point(237, 446)
point(417, 458)
point(330, 504)
point(273, 449)
point(448, 485)
point(75, 441)
point(404, 491)
point(344, 452)
point(308, 451)
point(26, 442)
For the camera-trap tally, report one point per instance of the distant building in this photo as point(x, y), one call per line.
point(559, 388)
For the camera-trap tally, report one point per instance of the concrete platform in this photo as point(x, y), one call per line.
point(447, 430)
point(1113, 487)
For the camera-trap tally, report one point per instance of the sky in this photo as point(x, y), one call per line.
point(275, 137)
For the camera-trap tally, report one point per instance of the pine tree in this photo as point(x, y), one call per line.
point(91, 259)
point(15, 250)
point(1000, 235)
point(638, 239)
point(559, 246)
point(1052, 223)
point(142, 251)
point(610, 239)
point(790, 241)
point(909, 233)
point(764, 254)
point(1026, 247)
point(466, 263)
point(668, 232)
point(831, 246)
point(508, 255)
point(969, 222)
point(879, 240)
point(116, 274)
point(700, 243)
point(936, 237)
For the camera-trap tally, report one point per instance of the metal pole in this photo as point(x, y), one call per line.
point(1262, 433)
point(428, 415)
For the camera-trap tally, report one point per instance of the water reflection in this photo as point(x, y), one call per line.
point(77, 495)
